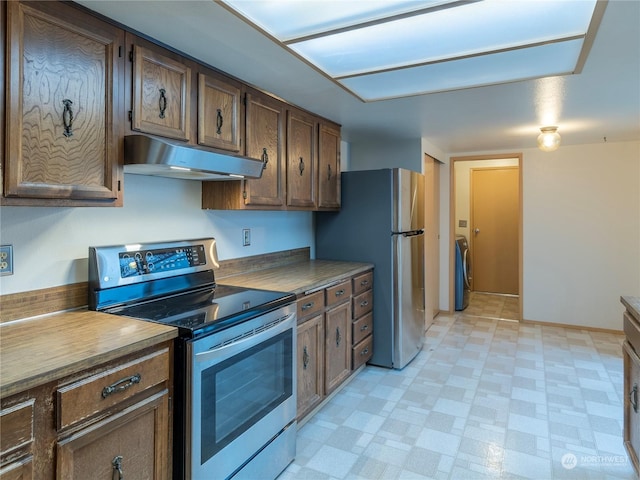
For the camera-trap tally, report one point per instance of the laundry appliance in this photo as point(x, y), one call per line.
point(463, 273)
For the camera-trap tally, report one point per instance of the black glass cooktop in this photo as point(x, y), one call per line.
point(205, 311)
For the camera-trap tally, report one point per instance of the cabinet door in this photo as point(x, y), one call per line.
point(310, 365)
point(220, 115)
point(161, 94)
point(129, 444)
point(301, 159)
point(63, 76)
point(337, 345)
point(265, 120)
point(22, 470)
point(631, 434)
point(328, 167)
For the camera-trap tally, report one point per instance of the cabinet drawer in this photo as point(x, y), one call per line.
point(311, 304)
point(362, 327)
point(100, 392)
point(362, 352)
point(362, 304)
point(631, 431)
point(362, 282)
point(16, 428)
point(631, 330)
point(338, 293)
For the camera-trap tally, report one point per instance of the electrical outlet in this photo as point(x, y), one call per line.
point(6, 260)
point(246, 237)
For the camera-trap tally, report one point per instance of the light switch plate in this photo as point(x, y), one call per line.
point(6, 259)
point(246, 237)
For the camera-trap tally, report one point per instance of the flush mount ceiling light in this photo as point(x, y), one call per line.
point(394, 48)
point(549, 139)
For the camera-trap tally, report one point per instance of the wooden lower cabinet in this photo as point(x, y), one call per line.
point(130, 444)
point(310, 365)
point(631, 407)
point(111, 421)
point(326, 348)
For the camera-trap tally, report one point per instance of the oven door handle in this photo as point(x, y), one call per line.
point(226, 350)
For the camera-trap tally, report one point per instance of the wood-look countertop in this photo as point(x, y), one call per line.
point(633, 305)
point(298, 278)
point(39, 350)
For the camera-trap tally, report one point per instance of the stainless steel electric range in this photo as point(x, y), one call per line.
point(234, 373)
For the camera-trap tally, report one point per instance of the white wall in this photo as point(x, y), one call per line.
point(50, 244)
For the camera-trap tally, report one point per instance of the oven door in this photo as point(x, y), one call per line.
point(243, 392)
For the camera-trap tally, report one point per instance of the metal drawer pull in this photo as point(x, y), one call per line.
point(365, 351)
point(117, 468)
point(307, 306)
point(305, 357)
point(364, 303)
point(338, 336)
point(364, 283)
point(633, 397)
point(67, 118)
point(219, 122)
point(364, 327)
point(121, 385)
point(162, 102)
point(339, 292)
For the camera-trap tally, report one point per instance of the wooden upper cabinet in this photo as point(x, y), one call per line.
point(161, 103)
point(328, 166)
point(63, 98)
point(264, 132)
point(220, 113)
point(301, 159)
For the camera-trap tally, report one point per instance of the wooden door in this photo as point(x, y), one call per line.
point(132, 444)
point(337, 351)
point(220, 116)
point(63, 79)
point(432, 237)
point(264, 131)
point(328, 166)
point(301, 159)
point(494, 241)
point(310, 365)
point(161, 94)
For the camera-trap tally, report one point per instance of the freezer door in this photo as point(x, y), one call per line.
point(408, 211)
point(409, 297)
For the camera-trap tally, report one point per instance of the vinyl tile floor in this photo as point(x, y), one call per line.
point(484, 399)
point(488, 305)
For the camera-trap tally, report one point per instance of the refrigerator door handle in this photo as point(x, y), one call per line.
point(410, 233)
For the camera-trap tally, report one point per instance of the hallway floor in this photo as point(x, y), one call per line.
point(484, 399)
point(489, 305)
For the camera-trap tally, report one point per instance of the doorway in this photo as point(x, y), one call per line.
point(477, 204)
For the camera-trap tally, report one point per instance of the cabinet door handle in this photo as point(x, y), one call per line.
point(117, 468)
point(338, 336)
point(633, 397)
point(329, 174)
point(305, 357)
point(307, 306)
point(219, 122)
point(340, 292)
point(301, 166)
point(162, 102)
point(67, 117)
point(264, 158)
point(121, 385)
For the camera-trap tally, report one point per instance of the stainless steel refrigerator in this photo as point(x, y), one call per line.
point(382, 221)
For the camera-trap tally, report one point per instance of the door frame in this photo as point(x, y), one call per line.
point(452, 220)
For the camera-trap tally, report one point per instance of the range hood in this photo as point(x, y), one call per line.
point(144, 155)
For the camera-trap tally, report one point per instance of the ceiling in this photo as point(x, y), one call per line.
point(602, 103)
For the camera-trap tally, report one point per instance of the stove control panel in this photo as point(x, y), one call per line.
point(142, 262)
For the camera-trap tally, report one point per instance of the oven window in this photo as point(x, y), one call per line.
point(239, 391)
